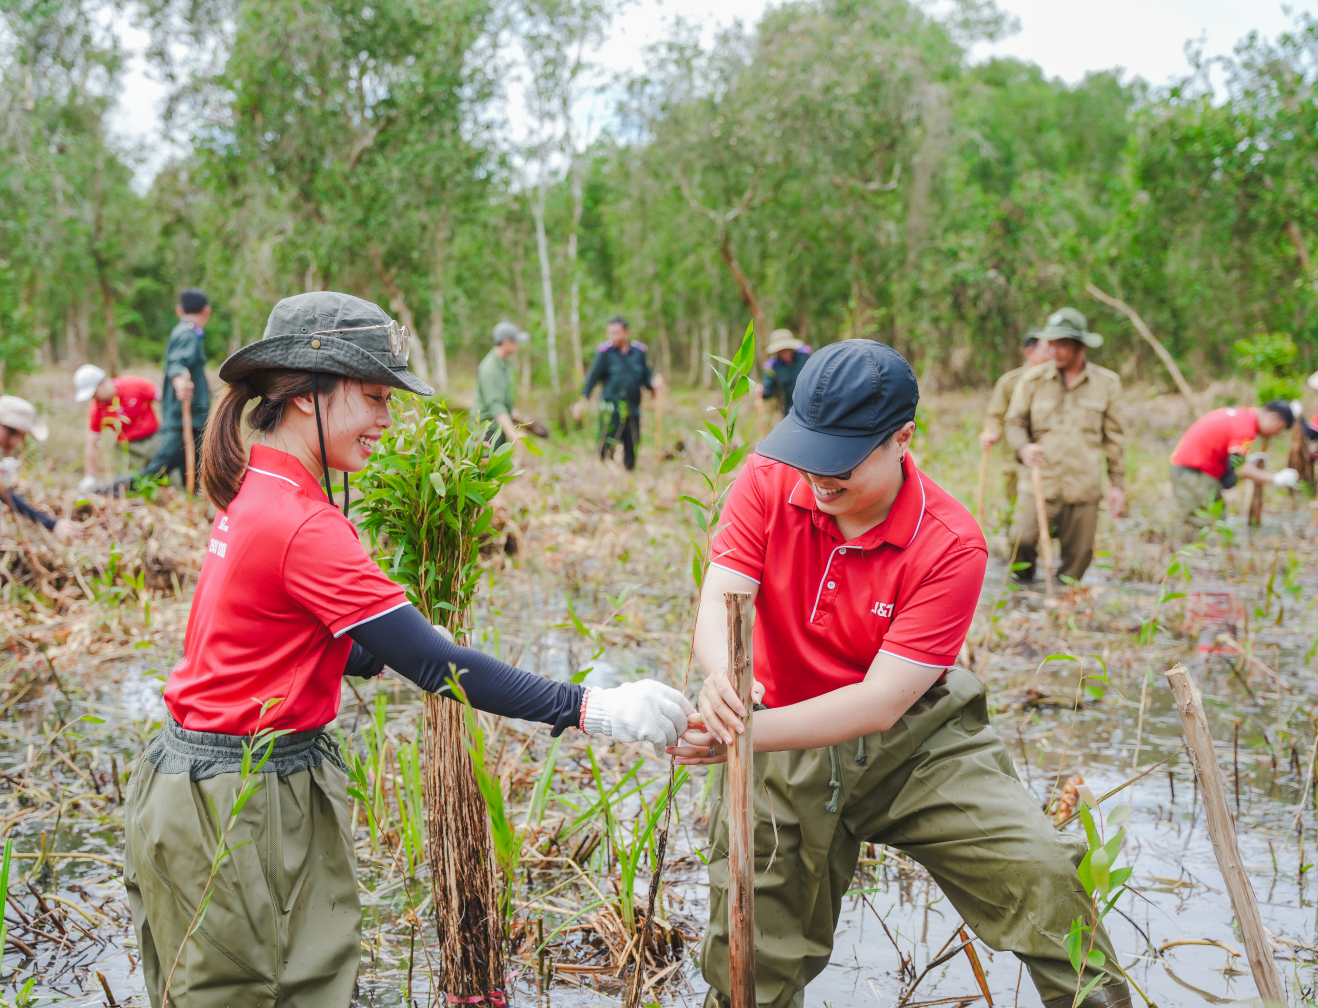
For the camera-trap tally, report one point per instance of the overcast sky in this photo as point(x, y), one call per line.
point(1066, 38)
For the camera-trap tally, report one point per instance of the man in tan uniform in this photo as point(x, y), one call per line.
point(1037, 352)
point(1064, 418)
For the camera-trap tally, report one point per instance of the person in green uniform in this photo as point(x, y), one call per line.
point(621, 370)
point(185, 381)
point(787, 356)
point(1037, 351)
point(496, 390)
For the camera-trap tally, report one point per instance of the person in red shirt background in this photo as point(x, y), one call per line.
point(865, 575)
point(1214, 454)
point(125, 405)
point(287, 603)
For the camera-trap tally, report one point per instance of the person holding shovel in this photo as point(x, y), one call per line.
point(1065, 419)
point(865, 576)
point(621, 370)
point(287, 603)
point(184, 382)
point(1037, 351)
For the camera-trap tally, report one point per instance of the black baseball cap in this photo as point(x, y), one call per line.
point(849, 397)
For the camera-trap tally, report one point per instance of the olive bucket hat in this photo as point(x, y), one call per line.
point(331, 333)
point(1068, 323)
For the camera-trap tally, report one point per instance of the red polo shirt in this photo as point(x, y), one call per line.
point(1212, 439)
point(285, 578)
point(827, 605)
point(129, 411)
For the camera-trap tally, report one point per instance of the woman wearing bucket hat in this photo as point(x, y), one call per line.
point(18, 419)
point(787, 355)
point(288, 602)
point(865, 575)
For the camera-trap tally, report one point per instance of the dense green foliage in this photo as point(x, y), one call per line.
point(840, 168)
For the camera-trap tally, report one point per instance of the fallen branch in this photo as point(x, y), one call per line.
point(1142, 328)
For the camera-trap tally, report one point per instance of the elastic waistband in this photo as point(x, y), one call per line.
point(203, 755)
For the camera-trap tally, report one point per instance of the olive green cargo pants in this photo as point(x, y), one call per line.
point(1073, 524)
point(1194, 491)
point(938, 786)
point(283, 928)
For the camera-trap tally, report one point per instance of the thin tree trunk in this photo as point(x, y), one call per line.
point(1297, 239)
point(690, 335)
point(103, 276)
point(438, 352)
point(399, 306)
point(574, 296)
point(665, 349)
point(723, 348)
point(546, 284)
point(744, 286)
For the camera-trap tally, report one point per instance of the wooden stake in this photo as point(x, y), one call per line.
point(1299, 458)
point(741, 824)
point(1045, 536)
point(1222, 831)
point(189, 447)
point(976, 967)
point(1256, 498)
point(983, 484)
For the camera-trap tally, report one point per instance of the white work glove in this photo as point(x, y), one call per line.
point(645, 711)
point(1286, 479)
point(1297, 409)
point(8, 469)
point(87, 484)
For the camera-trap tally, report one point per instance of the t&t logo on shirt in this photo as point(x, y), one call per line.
point(882, 609)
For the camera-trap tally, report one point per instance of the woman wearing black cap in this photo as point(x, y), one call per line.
point(287, 603)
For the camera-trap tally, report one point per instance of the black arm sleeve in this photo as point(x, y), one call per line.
point(28, 511)
point(409, 645)
point(363, 664)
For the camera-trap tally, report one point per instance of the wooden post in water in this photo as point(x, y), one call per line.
point(1222, 831)
point(1256, 498)
point(741, 819)
point(189, 447)
point(1045, 536)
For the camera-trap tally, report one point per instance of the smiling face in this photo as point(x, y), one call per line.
point(354, 418)
point(862, 501)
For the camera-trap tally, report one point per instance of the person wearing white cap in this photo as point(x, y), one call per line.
point(18, 419)
point(125, 405)
point(787, 355)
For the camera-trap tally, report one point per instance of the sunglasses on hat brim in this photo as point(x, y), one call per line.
point(400, 337)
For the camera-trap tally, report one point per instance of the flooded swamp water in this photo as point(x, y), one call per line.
point(74, 718)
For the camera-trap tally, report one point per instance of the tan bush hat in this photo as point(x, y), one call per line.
point(1312, 381)
point(22, 415)
point(1067, 323)
point(782, 339)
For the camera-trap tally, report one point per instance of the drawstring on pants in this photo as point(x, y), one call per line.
point(833, 782)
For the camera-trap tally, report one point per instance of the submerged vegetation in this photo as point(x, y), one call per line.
point(587, 572)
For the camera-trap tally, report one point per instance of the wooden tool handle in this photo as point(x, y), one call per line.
point(1045, 536)
point(189, 446)
point(741, 820)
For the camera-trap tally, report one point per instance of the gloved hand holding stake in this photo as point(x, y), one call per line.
point(1286, 479)
point(645, 711)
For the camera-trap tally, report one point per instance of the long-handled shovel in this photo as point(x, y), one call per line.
point(189, 447)
point(1045, 537)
